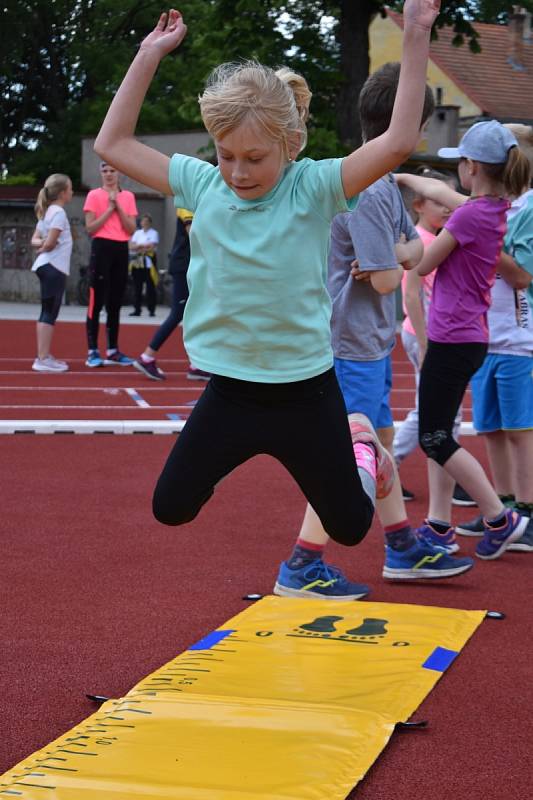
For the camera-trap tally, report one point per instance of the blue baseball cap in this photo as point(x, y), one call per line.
point(488, 142)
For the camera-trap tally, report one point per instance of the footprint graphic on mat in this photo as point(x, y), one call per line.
point(369, 630)
point(321, 625)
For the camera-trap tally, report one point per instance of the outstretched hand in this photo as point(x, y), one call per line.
point(421, 13)
point(167, 34)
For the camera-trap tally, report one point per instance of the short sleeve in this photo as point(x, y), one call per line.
point(463, 224)
point(136, 236)
point(189, 179)
point(91, 201)
point(320, 184)
point(58, 220)
point(372, 229)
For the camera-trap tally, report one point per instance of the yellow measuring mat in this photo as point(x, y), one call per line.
point(290, 700)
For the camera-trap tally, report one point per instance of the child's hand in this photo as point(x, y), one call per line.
point(167, 34)
point(421, 13)
point(357, 274)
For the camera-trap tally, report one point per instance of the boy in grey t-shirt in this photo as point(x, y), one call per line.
point(367, 246)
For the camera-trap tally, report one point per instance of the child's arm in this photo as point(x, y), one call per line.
point(50, 242)
point(512, 272)
point(116, 142)
point(409, 253)
point(432, 189)
point(384, 153)
point(415, 310)
point(36, 239)
point(436, 252)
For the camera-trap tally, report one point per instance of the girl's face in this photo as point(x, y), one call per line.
point(67, 193)
point(109, 177)
point(145, 223)
point(465, 174)
point(432, 215)
point(250, 163)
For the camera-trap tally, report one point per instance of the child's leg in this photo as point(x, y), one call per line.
point(406, 438)
point(219, 435)
point(445, 374)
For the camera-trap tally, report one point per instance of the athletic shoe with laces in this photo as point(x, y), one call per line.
point(447, 540)
point(94, 359)
point(421, 561)
point(118, 358)
point(195, 374)
point(150, 369)
point(475, 527)
point(49, 364)
point(317, 580)
point(462, 498)
point(496, 540)
point(525, 543)
point(362, 431)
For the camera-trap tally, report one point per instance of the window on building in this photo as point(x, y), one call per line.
point(15, 247)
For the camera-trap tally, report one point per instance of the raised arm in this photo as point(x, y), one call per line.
point(116, 142)
point(433, 189)
point(386, 152)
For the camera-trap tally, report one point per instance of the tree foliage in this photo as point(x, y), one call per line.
point(62, 60)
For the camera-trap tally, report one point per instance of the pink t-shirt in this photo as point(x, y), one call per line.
point(427, 282)
point(98, 200)
point(461, 291)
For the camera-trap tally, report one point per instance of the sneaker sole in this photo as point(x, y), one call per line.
point(140, 368)
point(520, 548)
point(49, 370)
point(469, 503)
point(285, 591)
point(423, 574)
point(513, 537)
point(197, 378)
point(109, 363)
point(466, 532)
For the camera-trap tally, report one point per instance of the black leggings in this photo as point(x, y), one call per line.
point(180, 294)
point(444, 376)
point(303, 424)
point(52, 288)
point(108, 275)
point(141, 276)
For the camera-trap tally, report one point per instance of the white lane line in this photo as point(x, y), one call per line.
point(136, 397)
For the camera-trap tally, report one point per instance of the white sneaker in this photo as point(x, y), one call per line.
point(49, 364)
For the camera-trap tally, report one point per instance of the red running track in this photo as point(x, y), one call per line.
point(95, 594)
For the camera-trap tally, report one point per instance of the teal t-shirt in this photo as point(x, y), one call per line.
point(258, 308)
point(519, 238)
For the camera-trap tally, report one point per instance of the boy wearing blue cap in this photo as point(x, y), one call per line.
point(465, 255)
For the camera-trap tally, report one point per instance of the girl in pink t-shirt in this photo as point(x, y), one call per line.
point(465, 254)
point(110, 221)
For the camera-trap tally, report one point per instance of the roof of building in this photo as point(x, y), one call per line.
point(492, 79)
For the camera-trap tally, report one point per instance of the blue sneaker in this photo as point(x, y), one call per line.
point(94, 359)
point(423, 560)
point(317, 580)
point(496, 540)
point(525, 543)
point(446, 540)
point(118, 358)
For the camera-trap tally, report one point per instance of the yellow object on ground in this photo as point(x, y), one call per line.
point(289, 700)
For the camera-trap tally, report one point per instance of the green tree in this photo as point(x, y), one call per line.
point(62, 60)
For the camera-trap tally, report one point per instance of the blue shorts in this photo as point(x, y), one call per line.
point(502, 394)
point(366, 386)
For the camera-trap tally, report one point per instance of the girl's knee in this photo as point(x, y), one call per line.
point(352, 530)
point(438, 445)
point(170, 509)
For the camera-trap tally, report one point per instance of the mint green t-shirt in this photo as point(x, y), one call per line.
point(258, 308)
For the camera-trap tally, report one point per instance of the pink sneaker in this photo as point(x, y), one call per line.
point(362, 431)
